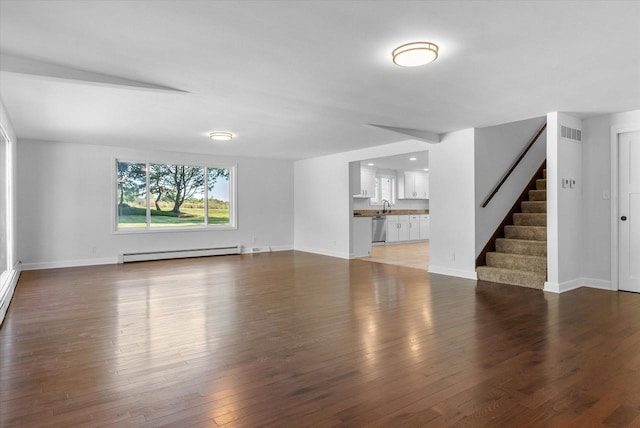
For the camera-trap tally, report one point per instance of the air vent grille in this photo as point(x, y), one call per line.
point(571, 133)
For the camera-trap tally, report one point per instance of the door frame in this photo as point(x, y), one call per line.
point(616, 130)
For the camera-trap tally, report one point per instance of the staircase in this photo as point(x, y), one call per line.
point(520, 256)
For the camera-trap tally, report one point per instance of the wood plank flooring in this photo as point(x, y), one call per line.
point(414, 255)
point(296, 339)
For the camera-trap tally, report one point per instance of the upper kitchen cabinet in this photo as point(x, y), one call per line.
point(363, 181)
point(413, 185)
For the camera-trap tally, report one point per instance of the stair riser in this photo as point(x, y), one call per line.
point(533, 233)
point(536, 248)
point(541, 184)
point(530, 219)
point(534, 206)
point(517, 262)
point(523, 279)
point(544, 174)
point(537, 195)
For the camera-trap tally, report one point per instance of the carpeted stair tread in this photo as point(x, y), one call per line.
point(520, 258)
point(534, 206)
point(512, 277)
point(530, 219)
point(530, 233)
point(537, 195)
point(517, 262)
point(521, 246)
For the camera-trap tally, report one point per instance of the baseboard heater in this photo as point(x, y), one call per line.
point(178, 254)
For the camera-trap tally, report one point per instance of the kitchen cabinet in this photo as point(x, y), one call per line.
point(424, 227)
point(414, 228)
point(398, 228)
point(363, 181)
point(413, 185)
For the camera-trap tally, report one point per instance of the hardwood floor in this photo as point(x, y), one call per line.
point(296, 339)
point(414, 255)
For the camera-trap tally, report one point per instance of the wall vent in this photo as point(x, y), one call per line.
point(571, 133)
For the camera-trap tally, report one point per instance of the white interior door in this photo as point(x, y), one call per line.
point(629, 211)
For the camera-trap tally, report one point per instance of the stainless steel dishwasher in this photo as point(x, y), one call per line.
point(378, 230)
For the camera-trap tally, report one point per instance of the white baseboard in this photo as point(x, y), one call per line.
point(70, 263)
point(597, 283)
point(281, 248)
point(265, 248)
point(114, 260)
point(563, 287)
point(453, 272)
point(323, 252)
point(7, 288)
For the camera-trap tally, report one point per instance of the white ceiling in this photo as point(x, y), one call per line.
point(297, 79)
point(401, 162)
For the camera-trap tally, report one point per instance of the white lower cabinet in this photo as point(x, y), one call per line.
point(407, 228)
point(424, 227)
point(414, 228)
point(397, 228)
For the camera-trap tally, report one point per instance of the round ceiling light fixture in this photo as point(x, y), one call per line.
point(415, 54)
point(220, 135)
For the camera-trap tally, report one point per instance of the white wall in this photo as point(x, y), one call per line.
point(452, 201)
point(323, 202)
point(496, 148)
point(564, 206)
point(66, 204)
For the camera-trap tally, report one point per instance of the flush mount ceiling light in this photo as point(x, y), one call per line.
point(412, 159)
point(415, 54)
point(220, 135)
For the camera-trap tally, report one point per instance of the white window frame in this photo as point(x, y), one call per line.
point(233, 199)
point(374, 202)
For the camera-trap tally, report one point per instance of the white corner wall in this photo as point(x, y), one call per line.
point(496, 148)
point(66, 203)
point(564, 206)
point(452, 202)
point(323, 201)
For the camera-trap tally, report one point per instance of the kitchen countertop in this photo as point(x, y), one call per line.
point(371, 213)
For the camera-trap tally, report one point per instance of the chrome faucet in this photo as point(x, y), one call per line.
point(386, 203)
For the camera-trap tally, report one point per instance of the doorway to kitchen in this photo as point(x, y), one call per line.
point(394, 192)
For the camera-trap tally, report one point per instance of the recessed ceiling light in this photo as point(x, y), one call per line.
point(415, 54)
point(426, 169)
point(412, 158)
point(220, 135)
point(370, 164)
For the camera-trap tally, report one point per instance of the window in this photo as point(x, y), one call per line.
point(385, 190)
point(155, 196)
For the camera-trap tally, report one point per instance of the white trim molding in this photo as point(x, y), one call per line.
point(563, 287)
point(459, 273)
point(70, 263)
point(8, 285)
